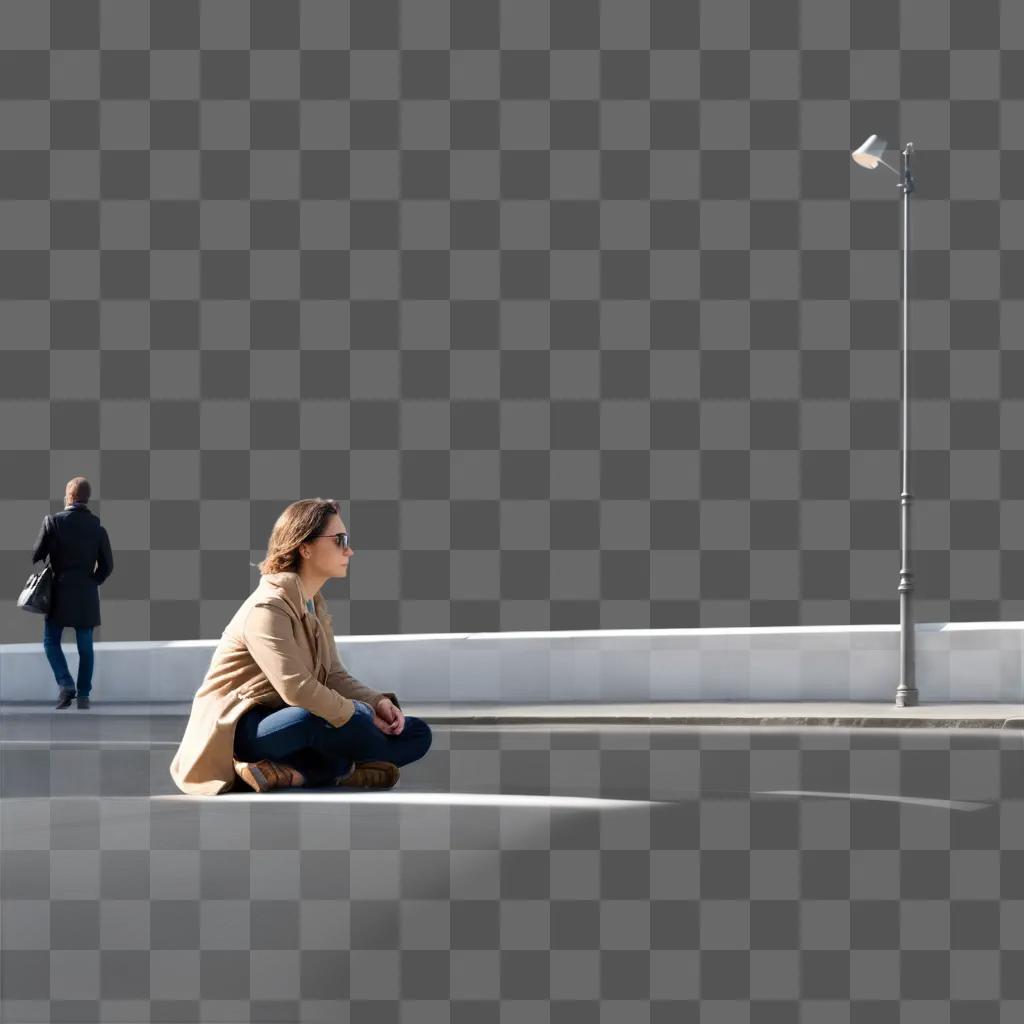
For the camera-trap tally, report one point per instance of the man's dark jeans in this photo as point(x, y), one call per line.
point(52, 633)
point(296, 737)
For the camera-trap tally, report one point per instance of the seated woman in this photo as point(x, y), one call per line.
point(276, 707)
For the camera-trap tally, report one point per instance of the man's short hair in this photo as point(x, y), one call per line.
point(78, 489)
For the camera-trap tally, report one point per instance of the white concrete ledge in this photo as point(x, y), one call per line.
point(957, 661)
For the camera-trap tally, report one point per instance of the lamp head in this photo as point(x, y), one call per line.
point(870, 153)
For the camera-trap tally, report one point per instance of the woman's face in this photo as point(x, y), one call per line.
point(325, 557)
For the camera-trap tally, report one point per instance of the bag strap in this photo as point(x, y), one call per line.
point(50, 526)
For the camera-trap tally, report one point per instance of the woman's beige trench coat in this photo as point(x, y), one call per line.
point(274, 652)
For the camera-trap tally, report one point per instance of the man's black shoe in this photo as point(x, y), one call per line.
point(66, 697)
point(83, 702)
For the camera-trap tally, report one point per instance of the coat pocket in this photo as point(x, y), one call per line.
point(261, 693)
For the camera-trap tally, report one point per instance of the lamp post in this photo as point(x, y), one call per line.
point(869, 155)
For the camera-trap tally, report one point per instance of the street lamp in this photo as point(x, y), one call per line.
point(869, 155)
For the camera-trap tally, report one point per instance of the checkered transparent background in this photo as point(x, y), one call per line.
point(580, 307)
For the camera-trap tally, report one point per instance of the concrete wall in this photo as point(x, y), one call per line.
point(978, 661)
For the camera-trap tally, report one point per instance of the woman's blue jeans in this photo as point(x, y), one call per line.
point(321, 752)
point(52, 632)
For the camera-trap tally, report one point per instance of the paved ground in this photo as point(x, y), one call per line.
point(883, 714)
point(543, 872)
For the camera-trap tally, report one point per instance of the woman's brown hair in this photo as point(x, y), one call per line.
point(299, 523)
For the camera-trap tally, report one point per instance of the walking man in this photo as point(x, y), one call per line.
point(80, 557)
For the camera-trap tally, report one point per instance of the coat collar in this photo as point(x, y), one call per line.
point(288, 586)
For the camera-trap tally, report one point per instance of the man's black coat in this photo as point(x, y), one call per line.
point(79, 551)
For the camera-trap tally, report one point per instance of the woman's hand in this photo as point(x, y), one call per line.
point(388, 718)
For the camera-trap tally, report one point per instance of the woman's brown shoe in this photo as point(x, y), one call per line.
point(370, 775)
point(264, 775)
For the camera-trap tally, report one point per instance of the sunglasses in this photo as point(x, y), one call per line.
point(340, 539)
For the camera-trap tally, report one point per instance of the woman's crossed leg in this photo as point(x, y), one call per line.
point(321, 752)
